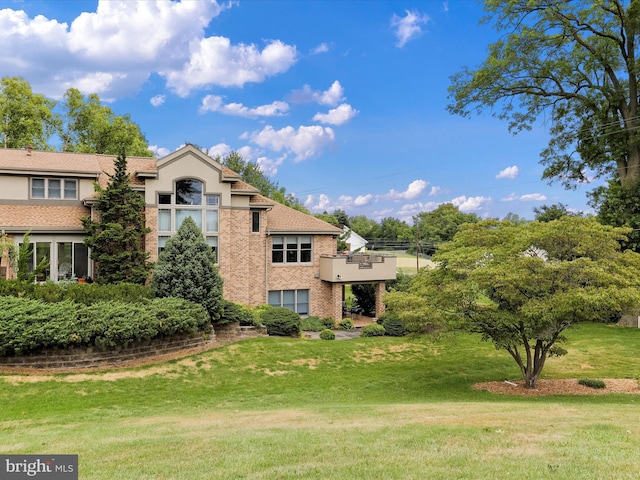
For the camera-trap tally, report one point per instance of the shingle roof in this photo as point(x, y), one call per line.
point(283, 219)
point(11, 159)
point(280, 218)
point(134, 164)
point(54, 216)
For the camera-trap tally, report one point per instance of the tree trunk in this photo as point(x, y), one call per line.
point(630, 173)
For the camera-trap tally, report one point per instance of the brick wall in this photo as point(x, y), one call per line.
point(91, 357)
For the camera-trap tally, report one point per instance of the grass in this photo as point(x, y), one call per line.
point(370, 408)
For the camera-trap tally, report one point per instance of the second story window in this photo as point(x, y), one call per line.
point(54, 188)
point(188, 200)
point(291, 249)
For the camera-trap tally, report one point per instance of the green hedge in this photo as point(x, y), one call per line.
point(235, 312)
point(373, 330)
point(85, 293)
point(280, 321)
point(31, 326)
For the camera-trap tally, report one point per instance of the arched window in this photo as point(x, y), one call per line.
point(188, 192)
point(188, 200)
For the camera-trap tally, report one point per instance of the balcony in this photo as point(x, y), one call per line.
point(357, 268)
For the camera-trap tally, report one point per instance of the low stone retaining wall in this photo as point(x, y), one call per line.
point(92, 357)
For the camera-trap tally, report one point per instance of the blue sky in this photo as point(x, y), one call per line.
point(343, 103)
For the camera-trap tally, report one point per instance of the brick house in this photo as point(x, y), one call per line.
point(266, 252)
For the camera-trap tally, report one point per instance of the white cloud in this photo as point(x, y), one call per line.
point(320, 205)
point(322, 48)
point(337, 116)
point(216, 62)
point(158, 100)
point(214, 103)
point(220, 150)
point(512, 197)
point(509, 172)
point(409, 210)
point(470, 204)
point(305, 142)
point(533, 197)
point(113, 50)
point(159, 152)
point(408, 27)
point(332, 96)
point(436, 191)
point(270, 167)
point(414, 189)
point(529, 197)
point(362, 200)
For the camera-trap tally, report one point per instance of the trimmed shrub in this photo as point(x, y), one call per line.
point(328, 323)
point(592, 383)
point(311, 324)
point(30, 326)
point(393, 325)
point(237, 313)
point(327, 335)
point(280, 321)
point(84, 293)
point(346, 324)
point(373, 330)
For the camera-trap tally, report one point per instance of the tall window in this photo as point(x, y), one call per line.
point(188, 200)
point(291, 249)
point(54, 188)
point(295, 300)
point(255, 222)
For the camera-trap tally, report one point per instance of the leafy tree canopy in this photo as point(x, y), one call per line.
point(26, 118)
point(365, 227)
point(87, 126)
point(574, 62)
point(252, 174)
point(521, 286)
point(547, 213)
point(441, 224)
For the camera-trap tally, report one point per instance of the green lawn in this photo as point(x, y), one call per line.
point(371, 408)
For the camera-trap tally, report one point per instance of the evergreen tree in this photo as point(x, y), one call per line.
point(186, 269)
point(116, 238)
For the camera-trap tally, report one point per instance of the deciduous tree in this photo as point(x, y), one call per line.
point(573, 62)
point(26, 118)
point(441, 224)
point(87, 126)
point(521, 286)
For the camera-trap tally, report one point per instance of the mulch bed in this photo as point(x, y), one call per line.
point(560, 387)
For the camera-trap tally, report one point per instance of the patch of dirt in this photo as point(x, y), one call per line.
point(559, 387)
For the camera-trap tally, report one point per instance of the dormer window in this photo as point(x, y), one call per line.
point(54, 188)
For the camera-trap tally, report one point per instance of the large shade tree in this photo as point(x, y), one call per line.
point(87, 126)
point(575, 63)
point(26, 118)
point(521, 286)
